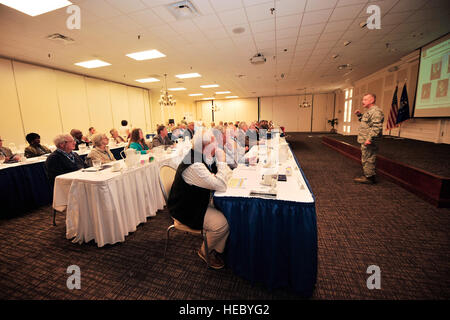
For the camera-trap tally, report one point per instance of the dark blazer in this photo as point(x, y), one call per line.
point(57, 163)
point(160, 141)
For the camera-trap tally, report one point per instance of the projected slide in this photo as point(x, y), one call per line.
point(433, 94)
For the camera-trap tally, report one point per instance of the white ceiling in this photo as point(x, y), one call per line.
point(298, 41)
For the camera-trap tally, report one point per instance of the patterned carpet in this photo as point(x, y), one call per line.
point(358, 226)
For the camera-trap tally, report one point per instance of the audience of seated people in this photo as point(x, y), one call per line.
point(63, 159)
point(137, 141)
point(101, 150)
point(35, 149)
point(162, 137)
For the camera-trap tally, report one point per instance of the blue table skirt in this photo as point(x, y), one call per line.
point(272, 241)
point(23, 188)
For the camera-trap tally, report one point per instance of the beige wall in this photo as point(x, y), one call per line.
point(230, 110)
point(49, 102)
point(383, 83)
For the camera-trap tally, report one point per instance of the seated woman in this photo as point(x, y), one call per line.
point(100, 151)
point(115, 135)
point(35, 149)
point(137, 141)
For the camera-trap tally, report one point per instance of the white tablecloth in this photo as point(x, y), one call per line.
point(106, 206)
point(294, 189)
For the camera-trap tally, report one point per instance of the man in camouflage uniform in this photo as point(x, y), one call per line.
point(369, 132)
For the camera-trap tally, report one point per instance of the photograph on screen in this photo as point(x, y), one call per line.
point(426, 91)
point(442, 88)
point(436, 70)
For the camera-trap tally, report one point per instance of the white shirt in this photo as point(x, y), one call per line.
point(198, 175)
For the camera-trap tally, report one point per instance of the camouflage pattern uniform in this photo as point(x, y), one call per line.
point(371, 128)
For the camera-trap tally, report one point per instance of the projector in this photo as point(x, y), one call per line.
point(257, 59)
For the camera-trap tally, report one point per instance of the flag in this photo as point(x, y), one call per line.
point(392, 120)
point(403, 112)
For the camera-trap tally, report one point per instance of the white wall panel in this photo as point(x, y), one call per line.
point(119, 103)
point(99, 102)
point(72, 101)
point(11, 129)
point(36, 87)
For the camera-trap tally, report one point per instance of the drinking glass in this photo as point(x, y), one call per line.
point(97, 164)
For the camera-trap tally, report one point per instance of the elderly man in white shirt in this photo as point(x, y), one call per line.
point(189, 199)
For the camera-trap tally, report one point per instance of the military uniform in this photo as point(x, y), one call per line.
point(371, 128)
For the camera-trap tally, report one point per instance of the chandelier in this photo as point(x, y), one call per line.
point(305, 103)
point(166, 99)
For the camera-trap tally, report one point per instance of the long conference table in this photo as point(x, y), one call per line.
point(24, 185)
point(272, 241)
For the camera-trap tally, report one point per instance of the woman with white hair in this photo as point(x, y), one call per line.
point(100, 151)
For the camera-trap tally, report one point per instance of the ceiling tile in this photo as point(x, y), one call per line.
point(337, 26)
point(394, 18)
point(287, 33)
point(146, 18)
point(343, 3)
point(407, 5)
point(312, 29)
point(263, 25)
point(344, 13)
point(385, 6)
point(313, 5)
point(288, 21)
point(101, 9)
point(259, 12)
point(288, 7)
point(127, 6)
point(164, 14)
point(203, 7)
point(184, 26)
point(220, 5)
point(233, 17)
point(208, 21)
point(214, 34)
point(315, 17)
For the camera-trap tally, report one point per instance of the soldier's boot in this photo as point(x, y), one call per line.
point(365, 180)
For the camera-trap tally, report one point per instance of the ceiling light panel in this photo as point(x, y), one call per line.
point(92, 64)
point(146, 80)
point(146, 55)
point(34, 8)
point(188, 75)
point(209, 86)
point(176, 89)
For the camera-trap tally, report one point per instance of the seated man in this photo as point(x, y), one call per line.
point(91, 133)
point(63, 160)
point(78, 138)
point(6, 153)
point(189, 199)
point(117, 138)
point(162, 137)
point(35, 149)
point(190, 130)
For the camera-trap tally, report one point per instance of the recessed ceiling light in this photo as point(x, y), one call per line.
point(188, 75)
point(147, 80)
point(145, 55)
point(223, 92)
point(211, 98)
point(195, 94)
point(34, 8)
point(93, 64)
point(210, 86)
point(346, 43)
point(230, 97)
point(176, 89)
